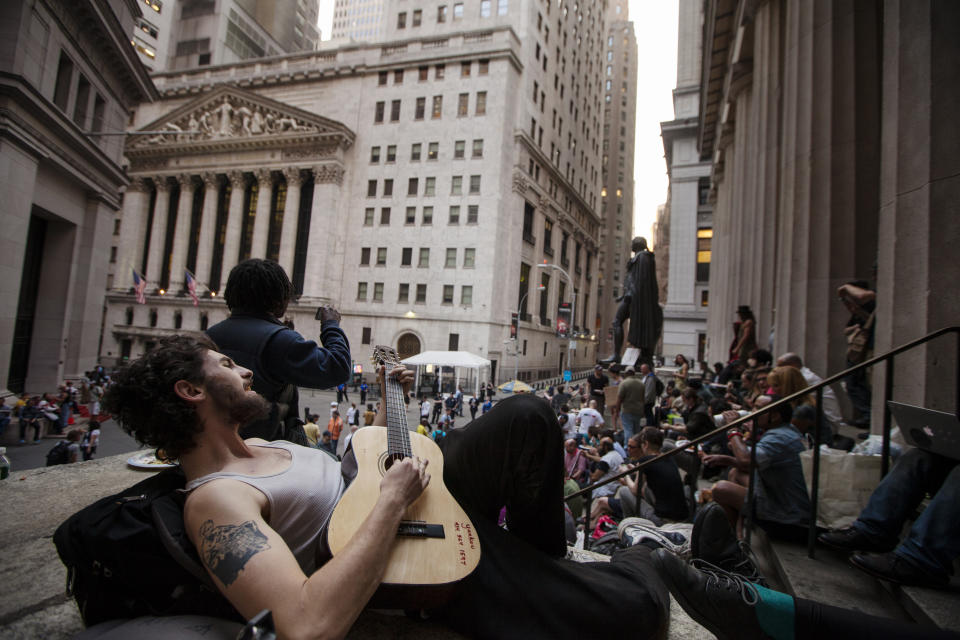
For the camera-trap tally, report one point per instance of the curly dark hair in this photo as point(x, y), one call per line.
point(258, 286)
point(142, 399)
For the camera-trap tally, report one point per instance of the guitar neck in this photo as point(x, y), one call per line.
point(398, 436)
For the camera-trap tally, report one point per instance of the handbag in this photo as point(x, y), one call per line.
point(846, 482)
point(858, 337)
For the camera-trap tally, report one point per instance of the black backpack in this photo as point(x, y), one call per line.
point(59, 454)
point(128, 555)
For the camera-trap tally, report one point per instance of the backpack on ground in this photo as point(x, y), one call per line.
point(128, 555)
point(59, 454)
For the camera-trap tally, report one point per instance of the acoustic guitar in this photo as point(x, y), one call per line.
point(436, 545)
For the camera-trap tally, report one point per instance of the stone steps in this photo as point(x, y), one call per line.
point(829, 579)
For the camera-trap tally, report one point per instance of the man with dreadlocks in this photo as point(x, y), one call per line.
point(254, 336)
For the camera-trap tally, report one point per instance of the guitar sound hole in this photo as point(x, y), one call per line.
point(387, 459)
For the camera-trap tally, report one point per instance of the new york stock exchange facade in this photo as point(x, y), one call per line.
point(405, 202)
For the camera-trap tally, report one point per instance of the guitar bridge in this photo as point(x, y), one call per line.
point(419, 529)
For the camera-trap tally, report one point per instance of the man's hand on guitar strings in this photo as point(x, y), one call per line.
point(404, 481)
point(402, 375)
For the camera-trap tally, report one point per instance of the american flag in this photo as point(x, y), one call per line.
point(191, 283)
point(140, 287)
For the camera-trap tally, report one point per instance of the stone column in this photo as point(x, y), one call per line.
point(181, 234)
point(291, 215)
point(261, 224)
point(208, 223)
point(231, 243)
point(133, 229)
point(158, 233)
point(322, 277)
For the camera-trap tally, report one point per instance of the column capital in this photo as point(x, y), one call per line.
point(328, 174)
point(185, 180)
point(264, 177)
point(292, 175)
point(137, 183)
point(161, 183)
point(211, 180)
point(238, 179)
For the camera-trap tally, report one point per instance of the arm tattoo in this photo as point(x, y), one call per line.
point(226, 549)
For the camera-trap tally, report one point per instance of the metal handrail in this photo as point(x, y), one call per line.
point(818, 390)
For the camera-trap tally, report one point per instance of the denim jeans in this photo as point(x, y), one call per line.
point(631, 425)
point(934, 539)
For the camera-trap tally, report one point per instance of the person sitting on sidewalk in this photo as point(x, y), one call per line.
point(257, 511)
point(780, 494)
point(926, 556)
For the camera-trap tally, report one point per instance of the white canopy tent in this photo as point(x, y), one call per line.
point(456, 359)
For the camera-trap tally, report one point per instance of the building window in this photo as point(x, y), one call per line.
point(481, 108)
point(381, 256)
point(398, 76)
point(368, 217)
point(420, 109)
point(704, 240)
point(388, 187)
point(361, 291)
point(703, 191)
point(478, 148)
point(474, 185)
point(439, 71)
point(177, 320)
point(392, 153)
point(483, 67)
point(524, 288)
point(378, 112)
point(61, 92)
point(427, 215)
point(448, 296)
point(374, 155)
point(430, 187)
point(473, 213)
point(437, 110)
point(466, 295)
point(82, 102)
point(364, 256)
point(433, 149)
point(382, 78)
point(378, 292)
point(385, 215)
point(451, 259)
point(413, 184)
point(465, 69)
point(457, 10)
point(406, 256)
point(113, 255)
point(371, 188)
point(442, 13)
point(456, 186)
point(501, 7)
point(454, 214)
point(411, 216)
point(403, 292)
point(528, 223)
point(484, 8)
point(421, 293)
point(365, 337)
point(704, 298)
point(415, 152)
point(417, 17)
point(469, 258)
point(129, 316)
point(459, 146)
point(422, 73)
point(402, 20)
point(463, 104)
point(394, 111)
point(548, 237)
point(424, 260)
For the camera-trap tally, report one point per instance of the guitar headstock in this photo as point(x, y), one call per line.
point(387, 356)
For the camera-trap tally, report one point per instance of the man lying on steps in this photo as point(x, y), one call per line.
point(257, 511)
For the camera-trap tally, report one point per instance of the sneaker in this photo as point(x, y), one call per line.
point(852, 539)
point(895, 568)
point(724, 603)
point(715, 543)
point(633, 531)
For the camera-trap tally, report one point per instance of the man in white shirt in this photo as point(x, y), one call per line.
point(353, 415)
point(831, 408)
point(590, 417)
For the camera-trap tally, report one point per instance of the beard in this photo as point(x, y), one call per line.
point(240, 406)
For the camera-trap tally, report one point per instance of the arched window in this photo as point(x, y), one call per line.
point(408, 345)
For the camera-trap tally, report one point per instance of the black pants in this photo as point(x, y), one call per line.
point(816, 620)
point(512, 457)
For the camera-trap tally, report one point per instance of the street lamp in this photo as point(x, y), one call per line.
point(516, 345)
point(573, 300)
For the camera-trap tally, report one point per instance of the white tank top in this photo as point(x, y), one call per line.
point(301, 498)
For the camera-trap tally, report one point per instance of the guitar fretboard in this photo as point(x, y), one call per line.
point(398, 436)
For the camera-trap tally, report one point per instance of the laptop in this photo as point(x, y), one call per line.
point(933, 431)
